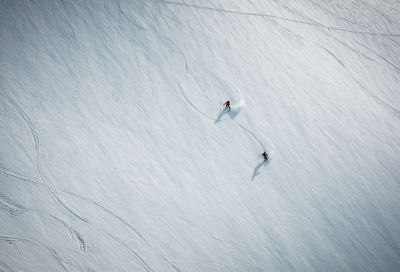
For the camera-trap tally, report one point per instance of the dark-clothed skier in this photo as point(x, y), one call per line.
point(227, 105)
point(265, 156)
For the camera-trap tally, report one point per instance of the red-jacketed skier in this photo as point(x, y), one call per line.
point(227, 105)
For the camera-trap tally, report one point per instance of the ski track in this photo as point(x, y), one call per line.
point(357, 52)
point(12, 174)
point(331, 54)
point(390, 108)
point(107, 211)
point(333, 14)
point(192, 105)
point(172, 265)
point(14, 209)
point(235, 12)
point(52, 251)
point(252, 135)
point(170, 45)
point(10, 207)
point(316, 24)
point(78, 236)
point(296, 12)
point(379, 101)
point(383, 16)
point(354, 50)
point(137, 256)
point(396, 42)
point(381, 57)
point(35, 137)
point(129, 19)
point(288, 30)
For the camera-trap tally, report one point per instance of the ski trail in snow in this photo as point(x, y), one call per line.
point(294, 11)
point(332, 14)
point(78, 236)
point(313, 23)
point(191, 104)
point(378, 100)
point(10, 207)
point(9, 173)
point(354, 50)
point(107, 211)
point(236, 12)
point(130, 249)
point(381, 57)
point(145, 265)
point(253, 136)
point(331, 54)
point(35, 137)
point(172, 265)
point(132, 21)
point(137, 256)
point(390, 108)
point(52, 251)
point(170, 44)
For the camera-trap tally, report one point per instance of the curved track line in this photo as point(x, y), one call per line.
point(252, 135)
point(381, 57)
point(169, 43)
point(314, 23)
point(331, 54)
point(106, 211)
point(390, 108)
point(378, 100)
point(237, 12)
point(137, 256)
point(191, 104)
point(125, 223)
point(78, 236)
point(53, 252)
point(9, 173)
point(10, 207)
point(35, 137)
point(172, 265)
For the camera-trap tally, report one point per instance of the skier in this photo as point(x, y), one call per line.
point(265, 156)
point(227, 105)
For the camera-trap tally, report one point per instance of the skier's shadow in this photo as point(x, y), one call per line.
point(255, 172)
point(232, 114)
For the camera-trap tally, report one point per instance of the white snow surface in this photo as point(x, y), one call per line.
point(115, 154)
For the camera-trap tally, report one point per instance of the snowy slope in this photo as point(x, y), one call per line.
point(116, 156)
